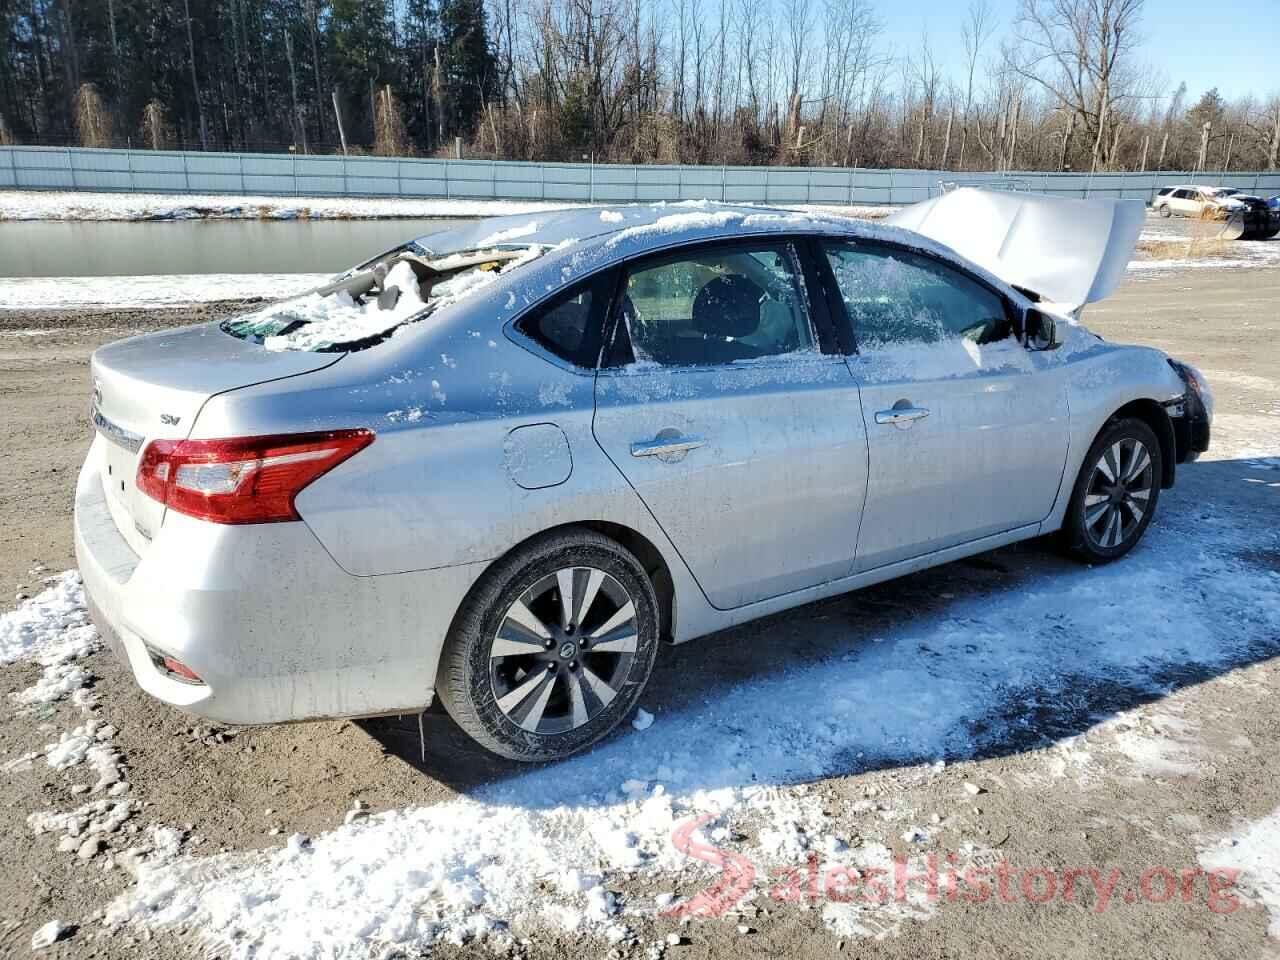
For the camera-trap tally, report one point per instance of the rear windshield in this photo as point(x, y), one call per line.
point(365, 305)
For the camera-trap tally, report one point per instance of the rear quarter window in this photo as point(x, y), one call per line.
point(567, 326)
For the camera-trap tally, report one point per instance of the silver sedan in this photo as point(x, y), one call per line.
point(501, 464)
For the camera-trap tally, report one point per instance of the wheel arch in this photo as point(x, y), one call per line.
point(1153, 415)
point(640, 546)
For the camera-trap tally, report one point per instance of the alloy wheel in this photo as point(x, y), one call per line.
point(1119, 493)
point(562, 650)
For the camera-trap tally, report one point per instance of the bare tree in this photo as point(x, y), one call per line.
point(1263, 123)
point(976, 31)
point(1081, 53)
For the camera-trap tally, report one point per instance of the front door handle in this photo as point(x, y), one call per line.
point(667, 446)
point(901, 416)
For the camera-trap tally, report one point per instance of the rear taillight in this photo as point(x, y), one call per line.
point(246, 479)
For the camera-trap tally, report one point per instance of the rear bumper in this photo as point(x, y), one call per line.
point(272, 625)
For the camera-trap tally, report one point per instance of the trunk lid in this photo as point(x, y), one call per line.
point(152, 387)
point(1070, 252)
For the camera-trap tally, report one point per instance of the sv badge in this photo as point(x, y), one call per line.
point(169, 420)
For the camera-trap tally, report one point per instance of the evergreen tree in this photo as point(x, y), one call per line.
point(469, 67)
point(360, 59)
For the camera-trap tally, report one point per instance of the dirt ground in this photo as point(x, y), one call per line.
point(220, 781)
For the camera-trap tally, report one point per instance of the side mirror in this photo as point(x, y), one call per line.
point(1040, 329)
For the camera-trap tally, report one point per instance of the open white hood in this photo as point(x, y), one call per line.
point(1070, 252)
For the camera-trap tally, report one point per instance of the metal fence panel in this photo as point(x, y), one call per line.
point(62, 168)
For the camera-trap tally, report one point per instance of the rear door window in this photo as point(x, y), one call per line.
point(713, 306)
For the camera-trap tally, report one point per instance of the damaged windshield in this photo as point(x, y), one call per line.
point(365, 305)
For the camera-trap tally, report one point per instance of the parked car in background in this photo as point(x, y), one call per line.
point(1247, 216)
point(501, 463)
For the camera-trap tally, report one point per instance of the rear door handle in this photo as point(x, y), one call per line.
point(668, 446)
point(901, 415)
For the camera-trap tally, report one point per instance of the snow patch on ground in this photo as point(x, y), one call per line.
point(148, 293)
point(949, 684)
point(1237, 254)
point(53, 625)
point(49, 934)
point(53, 629)
point(75, 205)
point(1254, 850)
point(70, 205)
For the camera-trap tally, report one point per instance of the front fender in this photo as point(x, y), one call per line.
point(1101, 379)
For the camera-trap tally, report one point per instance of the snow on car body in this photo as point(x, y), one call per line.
point(642, 422)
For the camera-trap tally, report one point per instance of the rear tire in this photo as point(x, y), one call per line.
point(1115, 495)
point(552, 648)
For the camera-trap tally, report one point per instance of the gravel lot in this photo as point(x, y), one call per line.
point(1168, 773)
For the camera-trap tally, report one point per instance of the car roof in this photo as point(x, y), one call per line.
point(585, 240)
point(592, 238)
point(577, 224)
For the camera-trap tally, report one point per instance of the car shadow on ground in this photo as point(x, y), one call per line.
point(1218, 509)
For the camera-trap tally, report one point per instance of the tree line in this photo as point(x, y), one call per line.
point(1064, 85)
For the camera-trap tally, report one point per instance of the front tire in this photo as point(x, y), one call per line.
point(552, 648)
point(1164, 211)
point(1115, 494)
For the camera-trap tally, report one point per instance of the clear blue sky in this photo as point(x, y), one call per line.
point(1233, 45)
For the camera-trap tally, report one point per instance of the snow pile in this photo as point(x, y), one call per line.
point(1254, 850)
point(49, 934)
point(102, 816)
point(52, 628)
point(87, 742)
point(611, 216)
point(53, 621)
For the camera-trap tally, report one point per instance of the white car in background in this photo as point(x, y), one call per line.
point(1247, 217)
point(1209, 203)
